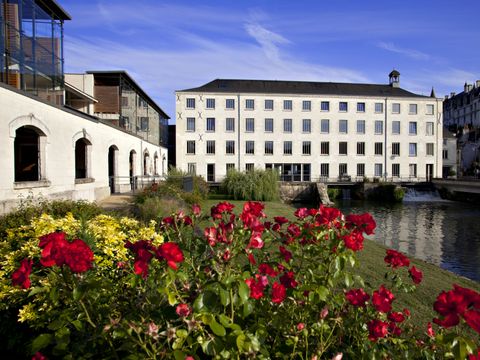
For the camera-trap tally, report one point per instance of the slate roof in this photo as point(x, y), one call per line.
point(301, 87)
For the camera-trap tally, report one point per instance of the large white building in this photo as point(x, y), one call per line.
point(309, 131)
point(79, 140)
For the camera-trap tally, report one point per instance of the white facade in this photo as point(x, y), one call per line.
point(58, 131)
point(204, 118)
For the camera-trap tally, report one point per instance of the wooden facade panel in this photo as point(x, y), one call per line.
point(108, 99)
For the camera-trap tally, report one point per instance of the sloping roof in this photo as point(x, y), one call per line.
point(134, 83)
point(53, 6)
point(301, 87)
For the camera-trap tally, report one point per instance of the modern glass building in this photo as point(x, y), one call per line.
point(31, 47)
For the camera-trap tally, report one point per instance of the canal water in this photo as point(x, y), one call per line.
point(443, 233)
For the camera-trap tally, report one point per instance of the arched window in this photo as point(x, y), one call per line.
point(27, 154)
point(155, 164)
point(82, 159)
point(146, 163)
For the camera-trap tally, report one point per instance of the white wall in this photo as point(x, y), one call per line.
point(62, 129)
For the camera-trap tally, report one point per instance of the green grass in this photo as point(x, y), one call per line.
point(371, 267)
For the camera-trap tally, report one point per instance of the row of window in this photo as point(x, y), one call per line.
point(307, 148)
point(306, 105)
point(302, 172)
point(307, 126)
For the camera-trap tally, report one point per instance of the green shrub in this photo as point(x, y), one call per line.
point(386, 192)
point(155, 208)
point(334, 193)
point(260, 185)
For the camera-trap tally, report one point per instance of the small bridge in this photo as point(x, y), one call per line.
point(471, 186)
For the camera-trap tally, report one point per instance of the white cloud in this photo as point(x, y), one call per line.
point(267, 39)
point(411, 53)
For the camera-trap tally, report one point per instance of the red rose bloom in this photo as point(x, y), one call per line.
point(300, 326)
point(382, 299)
point(143, 254)
point(396, 317)
point(430, 331)
point(471, 297)
point(39, 356)
point(280, 220)
point(394, 329)
point(357, 297)
point(301, 213)
point(79, 256)
point(54, 246)
point(474, 356)
point(377, 329)
point(211, 235)
point(171, 252)
point(219, 209)
point(251, 259)
point(267, 270)
point(278, 293)
point(196, 209)
point(21, 276)
point(293, 230)
point(287, 255)
point(363, 222)
point(256, 288)
point(450, 304)
point(327, 215)
point(415, 274)
point(353, 241)
point(256, 241)
point(288, 280)
point(396, 259)
point(183, 310)
point(472, 318)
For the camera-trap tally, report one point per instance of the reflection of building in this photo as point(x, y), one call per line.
point(68, 139)
point(309, 130)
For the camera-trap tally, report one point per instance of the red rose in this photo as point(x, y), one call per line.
point(211, 235)
point(143, 254)
point(183, 310)
point(363, 222)
point(79, 256)
point(450, 304)
point(256, 288)
point(171, 252)
point(219, 209)
point(300, 326)
point(415, 274)
point(472, 318)
point(396, 259)
point(357, 297)
point(474, 356)
point(377, 329)
point(394, 329)
point(430, 331)
point(280, 220)
point(39, 356)
point(196, 209)
point(21, 276)
point(288, 280)
point(327, 215)
point(353, 241)
point(287, 255)
point(293, 230)
point(278, 293)
point(301, 213)
point(470, 296)
point(251, 259)
point(382, 299)
point(256, 241)
point(396, 317)
point(54, 246)
point(267, 270)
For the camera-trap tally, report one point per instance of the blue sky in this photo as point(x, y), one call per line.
point(172, 45)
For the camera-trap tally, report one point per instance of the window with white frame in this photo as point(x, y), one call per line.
point(412, 170)
point(230, 147)
point(268, 104)
point(210, 146)
point(287, 148)
point(249, 167)
point(190, 124)
point(306, 148)
point(210, 103)
point(192, 168)
point(190, 103)
point(412, 109)
point(378, 148)
point(360, 169)
point(378, 170)
point(230, 125)
point(306, 105)
point(249, 104)
point(361, 107)
point(429, 130)
point(445, 154)
point(430, 109)
point(396, 149)
point(396, 108)
point(342, 148)
point(249, 125)
point(268, 125)
point(250, 147)
point(412, 128)
point(211, 124)
point(343, 106)
point(379, 108)
point(287, 125)
point(396, 127)
point(412, 149)
point(306, 125)
point(360, 126)
point(430, 149)
point(360, 148)
point(325, 106)
point(230, 104)
point(268, 147)
point(396, 170)
point(324, 170)
point(191, 147)
point(324, 126)
point(378, 127)
point(342, 169)
point(287, 105)
point(343, 126)
point(325, 148)
point(230, 167)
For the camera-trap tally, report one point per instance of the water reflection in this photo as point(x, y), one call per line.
point(443, 233)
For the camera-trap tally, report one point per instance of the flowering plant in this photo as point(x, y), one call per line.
point(243, 286)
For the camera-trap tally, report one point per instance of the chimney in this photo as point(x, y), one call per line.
point(469, 87)
point(478, 83)
point(446, 97)
point(465, 87)
point(452, 94)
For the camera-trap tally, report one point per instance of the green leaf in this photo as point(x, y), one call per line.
point(322, 292)
point(37, 290)
point(224, 320)
point(247, 309)
point(217, 329)
point(78, 324)
point(243, 292)
point(224, 296)
point(182, 333)
point(348, 280)
point(41, 341)
point(78, 293)
point(241, 341)
point(208, 348)
point(179, 355)
point(171, 299)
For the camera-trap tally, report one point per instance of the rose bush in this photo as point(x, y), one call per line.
point(242, 287)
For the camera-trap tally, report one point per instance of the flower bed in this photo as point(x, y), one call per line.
point(242, 287)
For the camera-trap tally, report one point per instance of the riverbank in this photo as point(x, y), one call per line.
point(371, 267)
